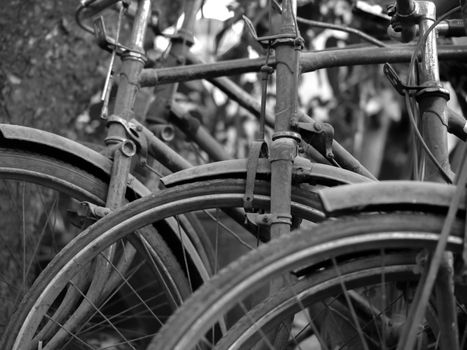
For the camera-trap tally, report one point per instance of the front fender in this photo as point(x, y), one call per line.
point(387, 195)
point(67, 150)
point(304, 172)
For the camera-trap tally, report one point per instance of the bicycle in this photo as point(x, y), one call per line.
point(386, 273)
point(74, 170)
point(229, 193)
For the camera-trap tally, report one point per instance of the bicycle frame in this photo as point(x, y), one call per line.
point(289, 63)
point(127, 135)
point(308, 62)
point(133, 71)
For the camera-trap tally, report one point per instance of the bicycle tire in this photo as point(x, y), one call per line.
point(344, 238)
point(42, 170)
point(268, 315)
point(167, 203)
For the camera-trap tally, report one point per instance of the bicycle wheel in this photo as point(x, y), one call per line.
point(351, 292)
point(37, 189)
point(204, 198)
point(303, 301)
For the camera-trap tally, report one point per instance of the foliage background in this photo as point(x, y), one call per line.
point(49, 68)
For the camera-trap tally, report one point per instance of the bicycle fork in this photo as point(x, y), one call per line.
point(432, 99)
point(284, 146)
point(118, 140)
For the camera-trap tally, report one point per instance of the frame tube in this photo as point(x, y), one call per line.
point(309, 61)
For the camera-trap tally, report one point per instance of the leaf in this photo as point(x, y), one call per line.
point(13, 79)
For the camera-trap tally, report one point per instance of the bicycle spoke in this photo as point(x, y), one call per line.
point(41, 236)
point(351, 309)
point(103, 315)
point(310, 322)
point(229, 231)
point(216, 246)
point(185, 259)
point(134, 291)
point(71, 334)
point(265, 339)
point(108, 304)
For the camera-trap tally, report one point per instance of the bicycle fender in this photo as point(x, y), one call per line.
point(387, 195)
point(63, 148)
point(66, 149)
point(304, 172)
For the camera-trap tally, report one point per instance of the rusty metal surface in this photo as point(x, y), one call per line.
point(63, 146)
point(376, 195)
point(304, 172)
point(310, 61)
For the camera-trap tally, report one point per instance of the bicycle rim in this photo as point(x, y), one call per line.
point(204, 198)
point(37, 191)
point(315, 303)
point(360, 322)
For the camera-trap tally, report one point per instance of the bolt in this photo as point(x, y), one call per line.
point(396, 27)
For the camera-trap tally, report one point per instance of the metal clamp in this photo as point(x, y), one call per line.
point(280, 218)
point(135, 135)
point(258, 150)
point(418, 90)
point(104, 41)
point(109, 44)
point(395, 81)
point(287, 135)
point(272, 40)
point(89, 210)
point(269, 219)
point(86, 214)
point(129, 127)
point(319, 135)
point(433, 88)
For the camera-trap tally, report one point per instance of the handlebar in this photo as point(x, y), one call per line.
point(91, 8)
